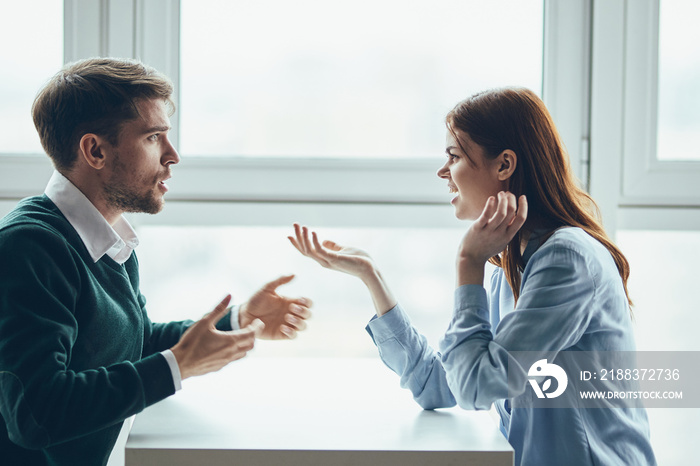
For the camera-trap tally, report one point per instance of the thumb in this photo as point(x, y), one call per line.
point(332, 245)
point(272, 286)
point(257, 326)
point(219, 311)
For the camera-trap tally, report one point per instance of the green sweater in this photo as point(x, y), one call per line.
point(78, 353)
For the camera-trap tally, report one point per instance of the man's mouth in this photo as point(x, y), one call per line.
point(162, 185)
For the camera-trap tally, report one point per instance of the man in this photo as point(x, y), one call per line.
point(78, 353)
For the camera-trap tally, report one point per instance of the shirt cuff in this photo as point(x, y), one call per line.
point(174, 368)
point(471, 297)
point(392, 323)
point(235, 325)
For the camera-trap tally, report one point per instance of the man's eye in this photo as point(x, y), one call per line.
point(153, 137)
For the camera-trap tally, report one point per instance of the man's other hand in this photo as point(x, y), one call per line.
point(283, 317)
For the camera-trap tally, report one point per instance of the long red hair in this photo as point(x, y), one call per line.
point(517, 119)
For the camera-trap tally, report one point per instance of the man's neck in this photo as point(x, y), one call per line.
point(91, 186)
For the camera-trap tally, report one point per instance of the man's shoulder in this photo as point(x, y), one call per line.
point(31, 217)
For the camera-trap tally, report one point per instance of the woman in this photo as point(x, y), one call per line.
point(560, 285)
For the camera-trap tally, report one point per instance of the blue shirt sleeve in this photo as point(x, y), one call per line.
point(551, 315)
point(407, 353)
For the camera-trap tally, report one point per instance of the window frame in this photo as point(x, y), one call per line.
point(356, 191)
point(648, 181)
point(634, 189)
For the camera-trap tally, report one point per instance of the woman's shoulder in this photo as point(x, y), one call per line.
point(578, 246)
point(575, 239)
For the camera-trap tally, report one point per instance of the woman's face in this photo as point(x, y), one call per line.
point(473, 182)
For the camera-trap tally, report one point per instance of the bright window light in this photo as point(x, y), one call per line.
point(679, 74)
point(368, 78)
point(186, 270)
point(31, 34)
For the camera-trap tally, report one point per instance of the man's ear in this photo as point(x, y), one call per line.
point(92, 149)
point(507, 161)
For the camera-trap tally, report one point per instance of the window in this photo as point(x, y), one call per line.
point(31, 32)
point(660, 162)
point(372, 78)
point(662, 283)
point(679, 73)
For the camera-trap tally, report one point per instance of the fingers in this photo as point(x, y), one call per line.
point(322, 255)
point(219, 311)
point(310, 247)
point(519, 219)
point(274, 284)
point(300, 239)
point(300, 308)
point(503, 212)
point(295, 322)
point(487, 213)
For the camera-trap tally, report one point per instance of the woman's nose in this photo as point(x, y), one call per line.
point(443, 171)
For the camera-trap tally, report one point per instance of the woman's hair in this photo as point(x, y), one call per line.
point(96, 95)
point(516, 119)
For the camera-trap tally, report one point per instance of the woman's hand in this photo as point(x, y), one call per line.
point(352, 261)
point(489, 235)
point(332, 256)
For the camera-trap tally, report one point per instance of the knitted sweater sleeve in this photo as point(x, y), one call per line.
point(42, 401)
point(159, 336)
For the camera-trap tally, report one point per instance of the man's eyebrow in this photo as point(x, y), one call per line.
point(157, 129)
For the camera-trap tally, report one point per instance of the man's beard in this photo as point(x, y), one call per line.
point(123, 197)
point(126, 200)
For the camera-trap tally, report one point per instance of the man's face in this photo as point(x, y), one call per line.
point(140, 163)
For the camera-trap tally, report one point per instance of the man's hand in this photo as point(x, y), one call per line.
point(283, 317)
point(203, 348)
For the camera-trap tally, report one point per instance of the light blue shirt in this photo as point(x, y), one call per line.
point(571, 299)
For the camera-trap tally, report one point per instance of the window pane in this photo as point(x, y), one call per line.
point(663, 284)
point(679, 73)
point(31, 34)
point(185, 270)
point(359, 79)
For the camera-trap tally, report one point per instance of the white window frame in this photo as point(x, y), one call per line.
point(327, 191)
point(634, 188)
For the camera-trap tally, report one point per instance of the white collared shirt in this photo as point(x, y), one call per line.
point(99, 236)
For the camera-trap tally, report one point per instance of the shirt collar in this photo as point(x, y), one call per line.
point(97, 234)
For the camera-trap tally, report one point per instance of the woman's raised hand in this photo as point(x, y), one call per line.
point(352, 261)
point(331, 255)
point(489, 235)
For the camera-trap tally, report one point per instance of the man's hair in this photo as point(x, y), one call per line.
point(96, 95)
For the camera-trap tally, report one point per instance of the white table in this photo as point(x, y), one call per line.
point(308, 412)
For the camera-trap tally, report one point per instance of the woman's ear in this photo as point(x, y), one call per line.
point(507, 161)
point(91, 148)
